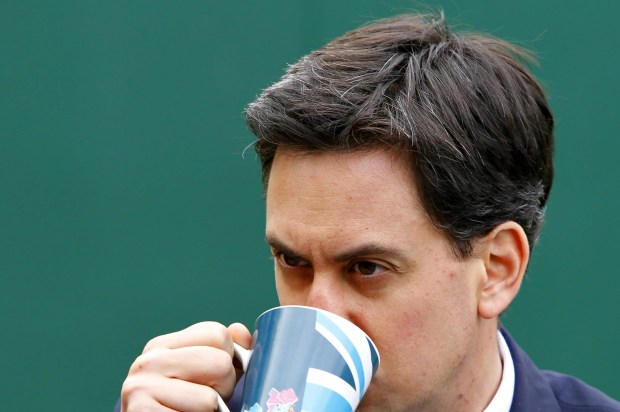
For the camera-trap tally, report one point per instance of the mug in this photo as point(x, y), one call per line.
point(305, 359)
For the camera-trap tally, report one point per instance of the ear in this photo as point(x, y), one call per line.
point(506, 253)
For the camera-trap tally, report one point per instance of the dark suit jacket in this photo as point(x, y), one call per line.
point(535, 390)
point(547, 391)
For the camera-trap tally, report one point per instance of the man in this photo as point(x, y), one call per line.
point(406, 172)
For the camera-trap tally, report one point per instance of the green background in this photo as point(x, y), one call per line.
point(129, 206)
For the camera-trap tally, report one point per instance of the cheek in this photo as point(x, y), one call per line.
point(403, 323)
point(393, 326)
point(424, 317)
point(455, 288)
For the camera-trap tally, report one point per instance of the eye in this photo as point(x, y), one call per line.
point(367, 268)
point(290, 260)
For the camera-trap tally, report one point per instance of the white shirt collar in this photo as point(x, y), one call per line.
point(502, 400)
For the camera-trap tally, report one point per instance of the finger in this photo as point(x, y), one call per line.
point(189, 397)
point(202, 365)
point(240, 335)
point(201, 334)
point(146, 405)
point(166, 394)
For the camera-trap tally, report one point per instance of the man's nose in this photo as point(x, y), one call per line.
point(327, 292)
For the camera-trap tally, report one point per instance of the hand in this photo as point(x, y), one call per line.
point(182, 371)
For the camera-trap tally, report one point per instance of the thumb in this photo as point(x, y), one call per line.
point(240, 335)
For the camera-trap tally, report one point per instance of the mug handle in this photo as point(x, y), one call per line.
point(242, 355)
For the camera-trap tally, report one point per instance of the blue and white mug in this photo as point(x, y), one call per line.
point(305, 359)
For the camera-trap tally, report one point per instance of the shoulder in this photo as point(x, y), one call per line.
point(574, 395)
point(548, 391)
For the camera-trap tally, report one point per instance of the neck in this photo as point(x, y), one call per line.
point(473, 388)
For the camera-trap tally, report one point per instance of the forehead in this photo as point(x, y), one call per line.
point(359, 167)
point(376, 158)
point(369, 183)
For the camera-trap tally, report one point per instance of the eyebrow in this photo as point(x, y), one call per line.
point(281, 247)
point(368, 249)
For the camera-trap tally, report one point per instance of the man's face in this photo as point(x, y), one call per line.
point(348, 234)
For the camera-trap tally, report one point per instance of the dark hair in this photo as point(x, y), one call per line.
point(472, 121)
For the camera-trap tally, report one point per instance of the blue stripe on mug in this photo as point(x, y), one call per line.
point(318, 398)
point(345, 347)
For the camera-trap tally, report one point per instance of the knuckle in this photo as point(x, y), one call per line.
point(221, 364)
point(142, 363)
point(132, 386)
point(137, 395)
point(140, 406)
point(219, 335)
point(153, 343)
point(212, 399)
